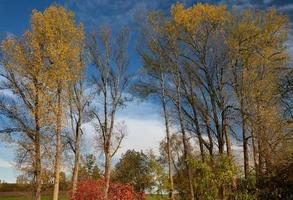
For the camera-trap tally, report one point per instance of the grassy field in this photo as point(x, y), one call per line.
point(27, 198)
point(149, 197)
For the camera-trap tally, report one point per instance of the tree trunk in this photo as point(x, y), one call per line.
point(77, 156)
point(107, 172)
point(198, 131)
point(207, 126)
point(186, 150)
point(217, 124)
point(228, 143)
point(163, 97)
point(58, 146)
point(38, 166)
point(171, 192)
point(37, 147)
point(211, 147)
point(184, 139)
point(254, 153)
point(245, 147)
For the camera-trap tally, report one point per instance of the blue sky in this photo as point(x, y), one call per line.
point(143, 118)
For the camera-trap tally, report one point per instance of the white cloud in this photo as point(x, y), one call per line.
point(5, 164)
point(143, 134)
point(145, 129)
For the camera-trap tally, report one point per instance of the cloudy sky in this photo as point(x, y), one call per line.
point(145, 128)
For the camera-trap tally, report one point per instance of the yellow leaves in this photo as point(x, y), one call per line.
point(199, 14)
point(61, 42)
point(45, 57)
point(256, 40)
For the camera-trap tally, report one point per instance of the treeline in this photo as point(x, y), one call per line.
point(220, 76)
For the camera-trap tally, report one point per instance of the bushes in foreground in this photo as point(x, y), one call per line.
point(94, 190)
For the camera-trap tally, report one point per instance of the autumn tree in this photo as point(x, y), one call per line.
point(258, 62)
point(111, 77)
point(221, 68)
point(61, 43)
point(25, 112)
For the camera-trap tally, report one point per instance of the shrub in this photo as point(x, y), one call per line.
point(94, 190)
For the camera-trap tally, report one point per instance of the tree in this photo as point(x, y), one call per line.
point(25, 112)
point(112, 79)
point(78, 102)
point(61, 44)
point(22, 179)
point(258, 62)
point(205, 52)
point(134, 168)
point(89, 169)
point(152, 77)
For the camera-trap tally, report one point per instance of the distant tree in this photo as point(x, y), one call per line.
point(135, 168)
point(89, 168)
point(22, 179)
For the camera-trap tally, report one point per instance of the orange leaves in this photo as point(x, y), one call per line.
point(91, 189)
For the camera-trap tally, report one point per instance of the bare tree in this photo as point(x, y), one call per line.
point(78, 100)
point(111, 81)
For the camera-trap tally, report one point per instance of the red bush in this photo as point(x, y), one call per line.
point(94, 190)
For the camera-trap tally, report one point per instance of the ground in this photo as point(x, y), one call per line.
point(149, 197)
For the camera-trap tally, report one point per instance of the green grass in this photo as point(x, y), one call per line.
point(28, 198)
point(149, 197)
point(155, 197)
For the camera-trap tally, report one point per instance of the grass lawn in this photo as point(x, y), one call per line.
point(27, 198)
point(149, 197)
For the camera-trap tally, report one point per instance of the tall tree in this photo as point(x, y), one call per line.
point(24, 62)
point(62, 43)
point(258, 62)
point(78, 101)
point(112, 79)
point(152, 79)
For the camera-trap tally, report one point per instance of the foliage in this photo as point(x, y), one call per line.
point(94, 189)
point(89, 169)
point(135, 168)
point(208, 177)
